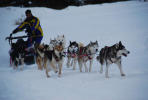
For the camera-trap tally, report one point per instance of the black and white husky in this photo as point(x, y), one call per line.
point(17, 54)
point(72, 54)
point(111, 55)
point(87, 53)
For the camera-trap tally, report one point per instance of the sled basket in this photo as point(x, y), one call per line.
point(29, 59)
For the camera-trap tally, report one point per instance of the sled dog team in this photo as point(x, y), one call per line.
point(51, 56)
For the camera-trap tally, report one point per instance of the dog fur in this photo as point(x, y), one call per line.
point(72, 54)
point(61, 40)
point(17, 54)
point(55, 59)
point(40, 56)
point(110, 55)
point(87, 53)
point(54, 54)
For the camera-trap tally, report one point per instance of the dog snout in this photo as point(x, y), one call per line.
point(96, 50)
point(73, 51)
point(60, 43)
point(128, 52)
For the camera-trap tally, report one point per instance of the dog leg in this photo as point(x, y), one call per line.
point(68, 62)
point(90, 65)
point(101, 69)
point(53, 67)
point(46, 68)
point(80, 65)
point(14, 65)
point(72, 62)
point(106, 73)
point(120, 68)
point(60, 69)
point(47, 73)
point(38, 61)
point(22, 64)
point(74, 66)
point(86, 69)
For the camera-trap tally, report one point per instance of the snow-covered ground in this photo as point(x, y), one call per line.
point(107, 23)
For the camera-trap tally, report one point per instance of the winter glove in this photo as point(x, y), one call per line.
point(15, 31)
point(28, 31)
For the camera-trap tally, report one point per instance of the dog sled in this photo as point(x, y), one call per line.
point(19, 47)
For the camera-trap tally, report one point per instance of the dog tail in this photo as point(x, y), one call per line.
point(99, 58)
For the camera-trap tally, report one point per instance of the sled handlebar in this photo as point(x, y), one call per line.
point(18, 37)
point(10, 38)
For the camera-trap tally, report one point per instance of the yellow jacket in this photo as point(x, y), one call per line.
point(34, 25)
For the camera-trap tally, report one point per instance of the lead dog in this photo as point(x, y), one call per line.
point(87, 53)
point(61, 40)
point(112, 54)
point(55, 59)
point(54, 55)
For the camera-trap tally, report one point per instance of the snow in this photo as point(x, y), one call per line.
point(107, 23)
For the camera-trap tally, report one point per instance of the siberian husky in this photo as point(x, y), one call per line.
point(55, 59)
point(72, 54)
point(55, 55)
point(112, 54)
point(17, 53)
point(87, 53)
point(40, 56)
point(61, 40)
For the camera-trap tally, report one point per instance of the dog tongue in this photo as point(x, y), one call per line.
point(73, 55)
point(124, 55)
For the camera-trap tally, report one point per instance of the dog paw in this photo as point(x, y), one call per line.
point(86, 70)
point(74, 68)
point(101, 72)
point(56, 71)
point(59, 75)
point(122, 74)
point(107, 77)
point(40, 69)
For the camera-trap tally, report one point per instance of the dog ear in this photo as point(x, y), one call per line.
point(90, 42)
point(63, 36)
point(96, 41)
point(120, 43)
point(70, 42)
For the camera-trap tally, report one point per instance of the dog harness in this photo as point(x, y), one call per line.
point(60, 49)
point(56, 57)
